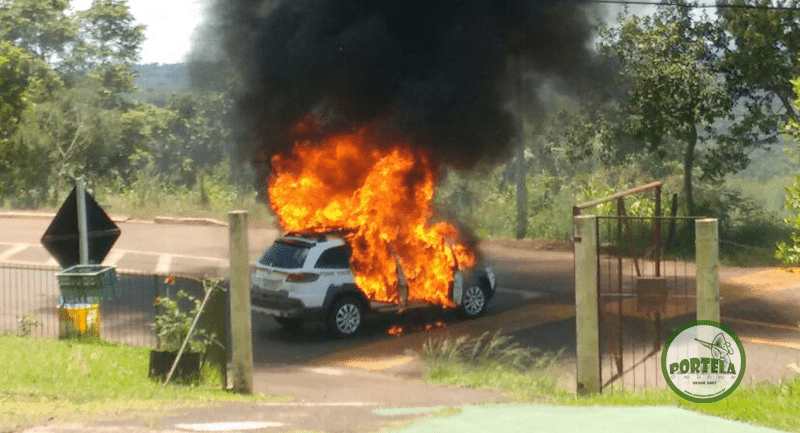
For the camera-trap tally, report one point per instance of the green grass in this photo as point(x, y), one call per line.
point(66, 381)
point(178, 203)
point(216, 200)
point(764, 404)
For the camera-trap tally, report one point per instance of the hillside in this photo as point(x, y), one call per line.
point(159, 81)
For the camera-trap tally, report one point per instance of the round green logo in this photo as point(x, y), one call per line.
point(703, 361)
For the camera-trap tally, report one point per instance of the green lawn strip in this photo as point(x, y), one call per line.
point(69, 381)
point(764, 404)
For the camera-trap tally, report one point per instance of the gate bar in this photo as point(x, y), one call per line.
point(576, 210)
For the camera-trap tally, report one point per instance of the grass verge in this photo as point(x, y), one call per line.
point(529, 375)
point(69, 381)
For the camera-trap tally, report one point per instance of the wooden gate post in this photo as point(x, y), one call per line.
point(241, 326)
point(707, 253)
point(586, 305)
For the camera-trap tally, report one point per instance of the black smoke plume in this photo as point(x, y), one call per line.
point(433, 70)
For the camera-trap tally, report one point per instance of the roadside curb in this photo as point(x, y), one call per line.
point(123, 218)
point(23, 214)
point(189, 221)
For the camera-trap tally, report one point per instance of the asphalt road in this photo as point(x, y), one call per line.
point(168, 249)
point(198, 249)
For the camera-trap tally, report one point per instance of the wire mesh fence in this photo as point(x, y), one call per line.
point(30, 299)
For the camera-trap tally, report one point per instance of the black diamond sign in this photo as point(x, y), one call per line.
point(61, 238)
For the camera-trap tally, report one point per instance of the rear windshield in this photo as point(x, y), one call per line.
point(285, 254)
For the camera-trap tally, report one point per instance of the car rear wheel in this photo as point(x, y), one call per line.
point(473, 301)
point(345, 317)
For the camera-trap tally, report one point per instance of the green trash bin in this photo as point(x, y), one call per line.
point(86, 283)
point(82, 287)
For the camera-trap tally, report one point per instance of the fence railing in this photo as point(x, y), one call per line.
point(29, 300)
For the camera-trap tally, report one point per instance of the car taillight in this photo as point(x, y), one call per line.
point(301, 278)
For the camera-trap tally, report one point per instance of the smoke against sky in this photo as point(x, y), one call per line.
point(434, 71)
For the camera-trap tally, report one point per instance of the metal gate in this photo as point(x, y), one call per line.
point(646, 288)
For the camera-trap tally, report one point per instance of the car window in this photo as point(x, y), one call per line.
point(334, 258)
point(289, 255)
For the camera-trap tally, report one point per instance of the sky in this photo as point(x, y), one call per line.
point(170, 24)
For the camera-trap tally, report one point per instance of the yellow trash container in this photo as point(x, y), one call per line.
point(82, 287)
point(76, 320)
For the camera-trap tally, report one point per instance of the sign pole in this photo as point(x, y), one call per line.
point(83, 231)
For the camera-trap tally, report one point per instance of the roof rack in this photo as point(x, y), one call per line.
point(317, 236)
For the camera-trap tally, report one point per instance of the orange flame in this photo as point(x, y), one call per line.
point(379, 197)
point(395, 330)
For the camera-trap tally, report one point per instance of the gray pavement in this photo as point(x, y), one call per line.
point(560, 419)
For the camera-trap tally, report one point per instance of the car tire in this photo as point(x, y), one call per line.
point(345, 317)
point(473, 300)
point(289, 324)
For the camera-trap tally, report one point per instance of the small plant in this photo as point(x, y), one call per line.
point(27, 324)
point(174, 324)
point(487, 349)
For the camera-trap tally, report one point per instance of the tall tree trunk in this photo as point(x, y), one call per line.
point(522, 187)
point(521, 169)
point(688, 165)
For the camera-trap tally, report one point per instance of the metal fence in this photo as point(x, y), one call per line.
point(29, 300)
point(646, 289)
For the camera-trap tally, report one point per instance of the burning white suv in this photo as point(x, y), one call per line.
point(308, 277)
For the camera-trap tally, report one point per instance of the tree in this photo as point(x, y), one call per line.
point(18, 69)
point(22, 77)
point(41, 27)
point(62, 96)
point(789, 253)
point(109, 46)
point(70, 130)
point(759, 60)
point(675, 97)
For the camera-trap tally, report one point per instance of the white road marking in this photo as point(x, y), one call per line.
point(525, 294)
point(114, 257)
point(5, 255)
point(322, 404)
point(229, 426)
point(164, 264)
point(30, 264)
point(326, 370)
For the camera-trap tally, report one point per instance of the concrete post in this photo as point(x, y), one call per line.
point(241, 326)
point(83, 230)
point(586, 305)
point(215, 320)
point(707, 252)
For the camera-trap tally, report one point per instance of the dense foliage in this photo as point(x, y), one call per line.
point(69, 107)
